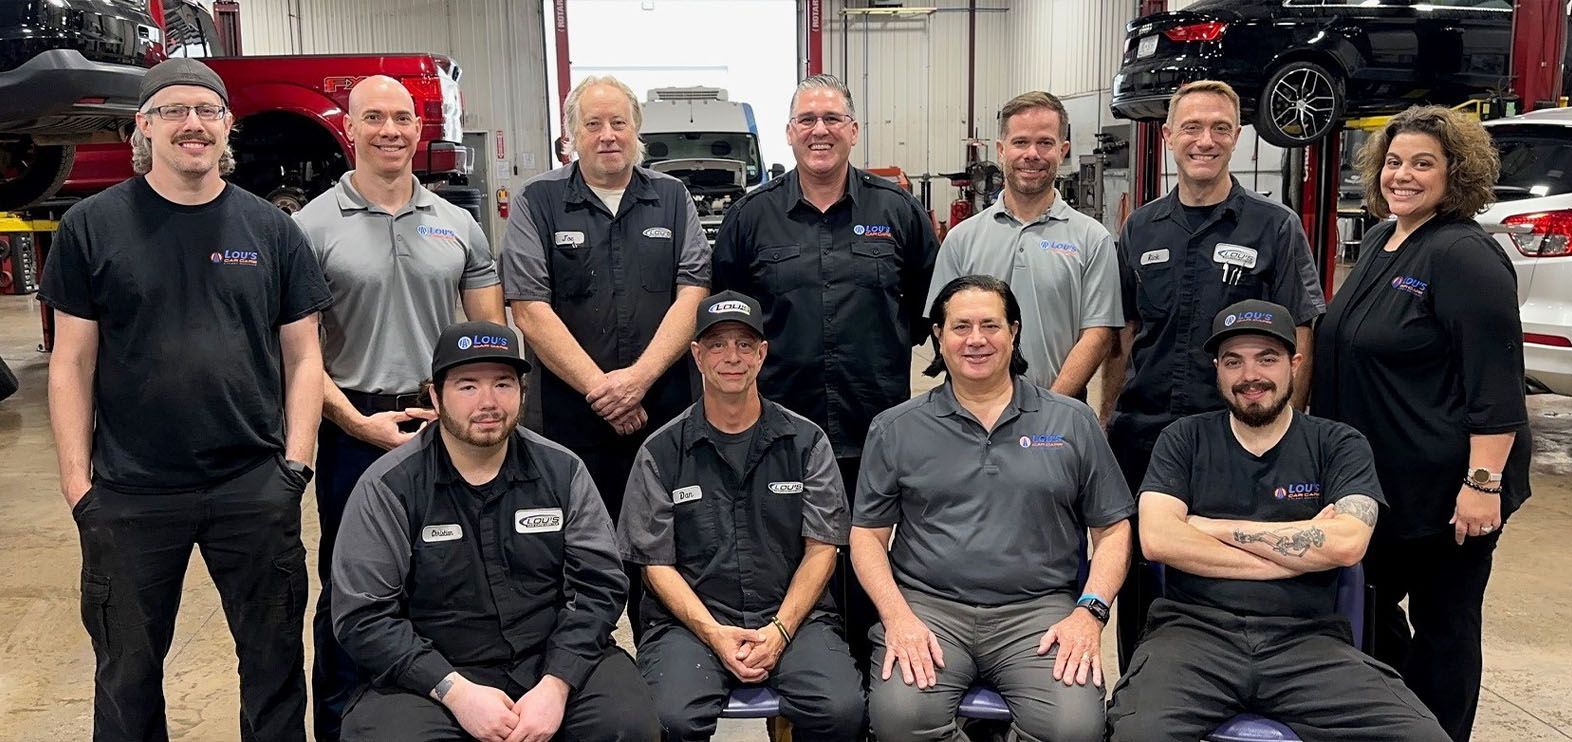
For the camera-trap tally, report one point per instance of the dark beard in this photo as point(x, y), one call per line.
point(1256, 416)
point(460, 429)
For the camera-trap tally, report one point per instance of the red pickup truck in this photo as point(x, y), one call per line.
point(289, 112)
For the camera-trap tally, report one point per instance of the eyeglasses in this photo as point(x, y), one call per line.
point(831, 120)
point(179, 112)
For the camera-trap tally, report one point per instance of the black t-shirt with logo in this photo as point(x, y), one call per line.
point(189, 389)
point(1318, 462)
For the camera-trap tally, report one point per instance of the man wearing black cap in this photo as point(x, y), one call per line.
point(1254, 509)
point(735, 509)
point(184, 393)
point(476, 580)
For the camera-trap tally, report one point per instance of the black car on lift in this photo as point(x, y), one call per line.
point(70, 72)
point(1301, 65)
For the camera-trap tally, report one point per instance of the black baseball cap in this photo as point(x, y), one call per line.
point(729, 306)
point(181, 71)
point(477, 342)
point(1252, 316)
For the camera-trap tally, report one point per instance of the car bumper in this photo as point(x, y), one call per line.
point(1141, 89)
point(62, 95)
point(1550, 365)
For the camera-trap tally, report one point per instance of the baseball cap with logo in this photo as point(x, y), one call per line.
point(729, 306)
point(1252, 316)
point(477, 342)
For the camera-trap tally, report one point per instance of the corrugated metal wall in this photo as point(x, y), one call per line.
point(499, 45)
point(908, 73)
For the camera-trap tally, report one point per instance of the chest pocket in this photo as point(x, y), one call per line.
point(781, 269)
point(1154, 294)
point(574, 264)
point(697, 524)
point(439, 570)
point(657, 263)
point(876, 264)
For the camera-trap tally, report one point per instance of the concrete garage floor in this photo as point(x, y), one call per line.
point(46, 663)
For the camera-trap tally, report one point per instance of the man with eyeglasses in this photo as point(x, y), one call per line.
point(839, 259)
point(1183, 258)
point(399, 260)
point(184, 394)
point(604, 263)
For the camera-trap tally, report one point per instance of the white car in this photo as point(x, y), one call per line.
point(1532, 222)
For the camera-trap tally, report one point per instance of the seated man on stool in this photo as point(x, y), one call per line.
point(1254, 509)
point(735, 508)
point(476, 580)
point(994, 482)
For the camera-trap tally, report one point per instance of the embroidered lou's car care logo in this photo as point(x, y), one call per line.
point(426, 230)
point(786, 488)
point(483, 342)
point(1260, 318)
point(235, 257)
point(1042, 441)
point(1298, 491)
point(730, 307)
point(537, 520)
point(1063, 248)
point(880, 231)
point(658, 233)
point(1410, 285)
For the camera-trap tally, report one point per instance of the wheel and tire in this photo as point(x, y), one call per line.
point(30, 173)
point(1300, 103)
point(288, 199)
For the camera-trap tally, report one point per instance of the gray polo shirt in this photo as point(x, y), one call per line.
point(1061, 266)
point(989, 518)
point(396, 281)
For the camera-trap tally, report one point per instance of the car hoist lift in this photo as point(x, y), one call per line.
point(1538, 48)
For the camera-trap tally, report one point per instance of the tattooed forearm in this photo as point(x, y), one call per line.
point(1292, 542)
point(1360, 506)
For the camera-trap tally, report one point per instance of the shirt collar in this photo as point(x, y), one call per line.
point(1058, 211)
point(853, 193)
point(772, 424)
point(1230, 204)
point(518, 466)
point(640, 188)
point(1023, 398)
point(350, 199)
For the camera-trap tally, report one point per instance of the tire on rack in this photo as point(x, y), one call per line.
point(1301, 102)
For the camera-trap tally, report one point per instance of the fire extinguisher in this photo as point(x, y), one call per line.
point(502, 203)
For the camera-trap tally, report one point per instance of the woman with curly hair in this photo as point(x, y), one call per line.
point(1421, 350)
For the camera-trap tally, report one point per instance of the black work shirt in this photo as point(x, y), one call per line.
point(1175, 280)
point(842, 293)
point(189, 388)
point(1420, 349)
point(1199, 461)
point(518, 576)
point(735, 535)
point(611, 279)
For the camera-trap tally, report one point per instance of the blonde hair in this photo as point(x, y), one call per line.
point(1215, 87)
point(572, 115)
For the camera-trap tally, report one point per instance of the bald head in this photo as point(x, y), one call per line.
point(383, 127)
point(380, 90)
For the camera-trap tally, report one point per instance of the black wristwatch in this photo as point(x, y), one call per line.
point(301, 470)
point(1095, 606)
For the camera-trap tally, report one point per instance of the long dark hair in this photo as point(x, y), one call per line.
point(1012, 314)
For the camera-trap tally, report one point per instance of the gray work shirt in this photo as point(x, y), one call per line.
point(989, 518)
point(1061, 265)
point(396, 281)
point(736, 535)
